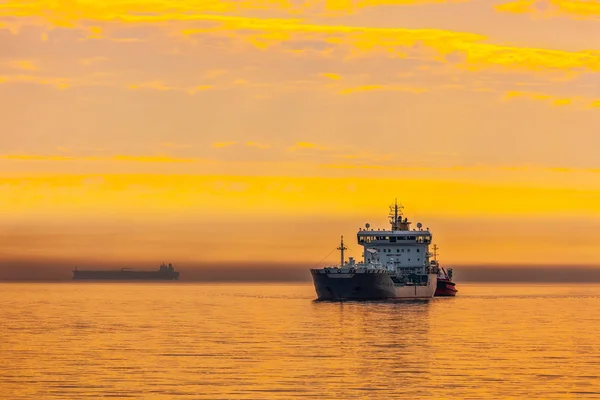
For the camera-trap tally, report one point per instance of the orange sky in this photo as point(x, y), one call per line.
point(198, 131)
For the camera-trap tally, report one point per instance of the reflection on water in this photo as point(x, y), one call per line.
point(192, 341)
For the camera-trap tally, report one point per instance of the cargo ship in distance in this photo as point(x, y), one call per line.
point(163, 273)
point(396, 265)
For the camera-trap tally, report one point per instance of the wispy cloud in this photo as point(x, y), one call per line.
point(171, 145)
point(92, 60)
point(120, 158)
point(96, 33)
point(257, 145)
point(220, 145)
point(576, 9)
point(199, 88)
point(553, 100)
point(470, 50)
point(59, 83)
point(22, 65)
point(307, 146)
point(332, 76)
point(154, 85)
point(390, 88)
point(69, 14)
point(467, 49)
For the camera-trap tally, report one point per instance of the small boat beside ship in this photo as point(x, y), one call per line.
point(445, 286)
point(165, 272)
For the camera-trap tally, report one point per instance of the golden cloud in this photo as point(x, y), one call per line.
point(175, 145)
point(59, 83)
point(583, 102)
point(257, 145)
point(221, 145)
point(549, 99)
point(334, 77)
point(121, 158)
point(24, 65)
point(577, 9)
point(199, 88)
point(68, 14)
point(387, 88)
point(466, 49)
point(307, 146)
point(92, 60)
point(155, 85)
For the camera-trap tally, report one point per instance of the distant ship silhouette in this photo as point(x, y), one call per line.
point(163, 273)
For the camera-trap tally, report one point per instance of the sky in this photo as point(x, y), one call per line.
point(249, 132)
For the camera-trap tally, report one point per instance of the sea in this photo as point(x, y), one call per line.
point(177, 340)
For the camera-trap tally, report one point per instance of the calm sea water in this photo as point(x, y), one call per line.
point(194, 341)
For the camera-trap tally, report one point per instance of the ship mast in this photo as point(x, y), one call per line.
point(342, 248)
point(435, 248)
point(395, 211)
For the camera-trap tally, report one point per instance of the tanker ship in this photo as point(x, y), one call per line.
point(395, 265)
point(163, 273)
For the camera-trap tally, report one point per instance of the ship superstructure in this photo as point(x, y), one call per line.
point(396, 264)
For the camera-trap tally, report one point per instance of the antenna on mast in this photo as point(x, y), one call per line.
point(395, 212)
point(342, 248)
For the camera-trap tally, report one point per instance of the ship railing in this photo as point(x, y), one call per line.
point(338, 270)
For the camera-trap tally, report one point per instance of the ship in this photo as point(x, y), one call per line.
point(445, 286)
point(165, 272)
point(396, 265)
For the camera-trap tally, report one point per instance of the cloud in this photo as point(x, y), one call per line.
point(257, 145)
point(307, 146)
point(161, 86)
point(199, 88)
point(120, 158)
point(92, 60)
point(221, 145)
point(23, 65)
point(389, 88)
point(59, 83)
point(547, 98)
point(175, 145)
point(576, 9)
point(333, 77)
point(69, 14)
point(154, 85)
point(468, 50)
point(580, 101)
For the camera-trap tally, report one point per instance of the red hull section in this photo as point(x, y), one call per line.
point(445, 287)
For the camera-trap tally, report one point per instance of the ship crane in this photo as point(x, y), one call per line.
point(341, 248)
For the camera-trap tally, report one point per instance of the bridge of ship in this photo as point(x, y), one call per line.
point(406, 250)
point(373, 237)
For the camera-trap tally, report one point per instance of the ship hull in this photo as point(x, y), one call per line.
point(445, 288)
point(367, 285)
point(125, 275)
